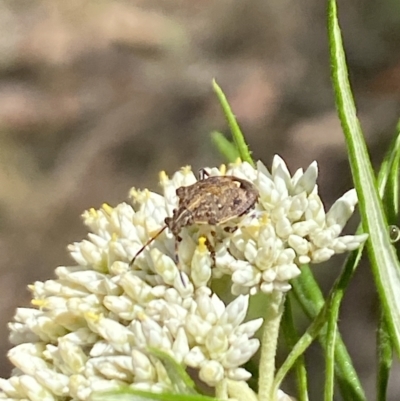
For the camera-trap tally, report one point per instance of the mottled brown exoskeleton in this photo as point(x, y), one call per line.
point(212, 200)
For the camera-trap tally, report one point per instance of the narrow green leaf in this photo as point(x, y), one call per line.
point(310, 297)
point(391, 203)
point(391, 184)
point(385, 358)
point(384, 263)
point(395, 172)
point(330, 353)
point(182, 382)
point(269, 341)
point(227, 149)
point(129, 394)
point(237, 135)
point(350, 384)
point(331, 332)
point(291, 337)
point(299, 348)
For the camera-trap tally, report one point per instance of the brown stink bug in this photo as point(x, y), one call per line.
point(212, 200)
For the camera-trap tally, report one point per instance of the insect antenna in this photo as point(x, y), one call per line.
point(149, 241)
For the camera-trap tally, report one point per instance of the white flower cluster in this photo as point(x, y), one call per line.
point(289, 228)
point(97, 319)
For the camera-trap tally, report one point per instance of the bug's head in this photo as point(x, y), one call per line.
point(169, 222)
point(173, 223)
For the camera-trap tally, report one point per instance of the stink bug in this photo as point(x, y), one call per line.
point(212, 200)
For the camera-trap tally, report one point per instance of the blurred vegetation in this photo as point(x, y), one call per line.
point(98, 96)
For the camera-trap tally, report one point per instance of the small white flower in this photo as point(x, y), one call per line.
point(211, 372)
point(142, 369)
point(97, 319)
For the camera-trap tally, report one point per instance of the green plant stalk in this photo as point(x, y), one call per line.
point(226, 148)
point(291, 338)
point(384, 263)
point(237, 135)
point(332, 330)
point(129, 394)
point(385, 357)
point(395, 173)
point(388, 179)
point(310, 297)
point(304, 342)
point(333, 305)
point(182, 382)
point(269, 342)
point(330, 308)
point(388, 182)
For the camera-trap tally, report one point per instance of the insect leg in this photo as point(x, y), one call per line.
point(178, 239)
point(203, 174)
point(149, 241)
point(230, 229)
point(210, 246)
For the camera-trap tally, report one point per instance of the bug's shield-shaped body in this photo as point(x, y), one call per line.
point(213, 200)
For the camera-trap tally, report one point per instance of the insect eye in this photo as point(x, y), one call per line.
point(180, 191)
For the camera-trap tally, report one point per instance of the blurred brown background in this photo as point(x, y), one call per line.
point(98, 96)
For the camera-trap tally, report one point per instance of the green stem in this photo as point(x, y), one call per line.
point(236, 132)
point(330, 353)
point(310, 297)
point(291, 338)
point(304, 342)
point(269, 341)
point(385, 359)
point(226, 148)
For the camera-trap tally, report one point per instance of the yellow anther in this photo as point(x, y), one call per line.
point(141, 316)
point(133, 193)
point(107, 208)
point(222, 169)
point(186, 170)
point(163, 176)
point(264, 219)
point(40, 303)
point(92, 212)
point(139, 196)
point(93, 316)
point(202, 247)
point(253, 230)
